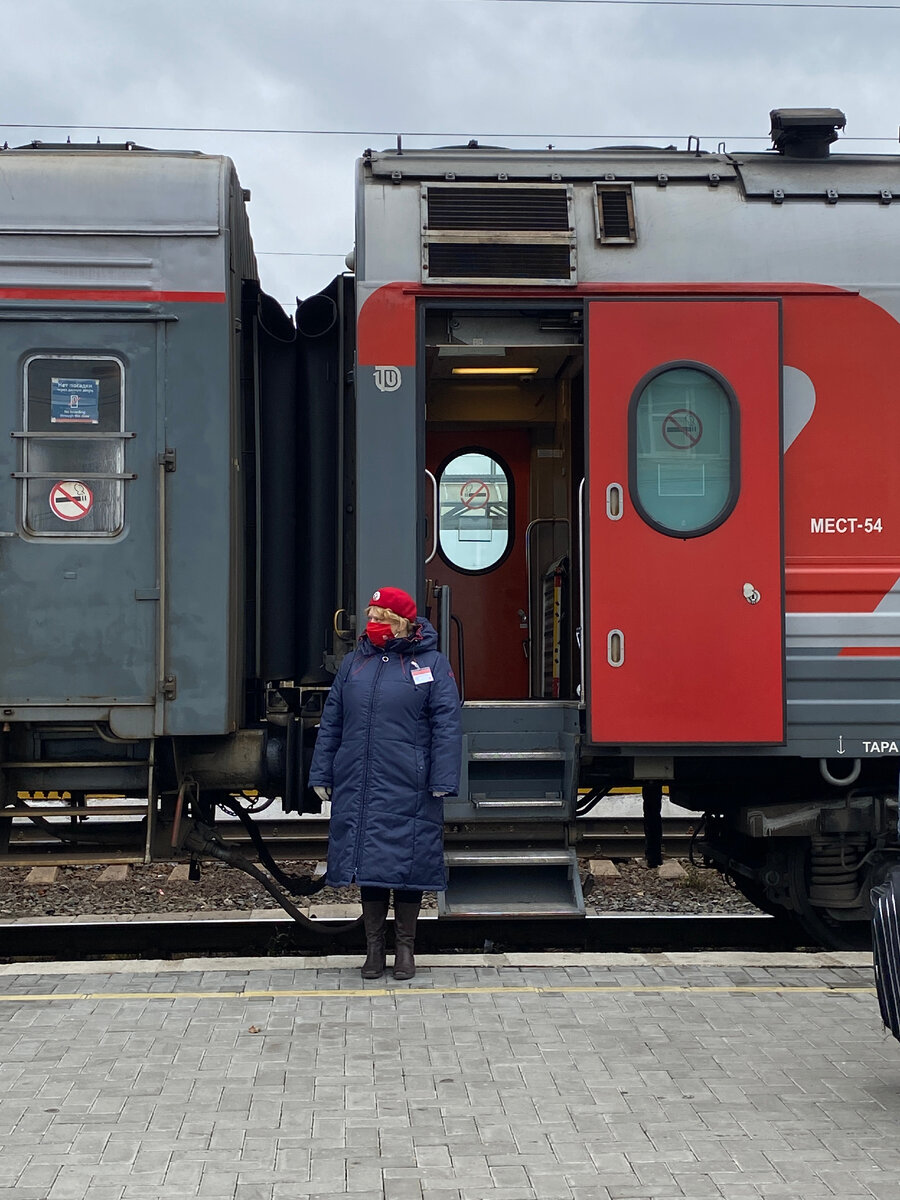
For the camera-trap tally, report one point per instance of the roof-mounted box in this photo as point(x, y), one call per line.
point(805, 132)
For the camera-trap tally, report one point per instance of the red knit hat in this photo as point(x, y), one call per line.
point(396, 600)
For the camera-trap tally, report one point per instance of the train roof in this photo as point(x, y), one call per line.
point(114, 190)
point(760, 174)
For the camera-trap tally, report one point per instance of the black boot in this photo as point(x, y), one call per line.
point(375, 922)
point(404, 939)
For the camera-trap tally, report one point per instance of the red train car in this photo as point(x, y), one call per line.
point(625, 422)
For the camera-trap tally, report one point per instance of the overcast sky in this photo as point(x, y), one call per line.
point(514, 72)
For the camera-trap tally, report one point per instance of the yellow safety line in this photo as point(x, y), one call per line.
point(514, 989)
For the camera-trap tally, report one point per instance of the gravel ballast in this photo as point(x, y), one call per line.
point(79, 891)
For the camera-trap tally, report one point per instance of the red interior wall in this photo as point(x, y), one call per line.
point(488, 604)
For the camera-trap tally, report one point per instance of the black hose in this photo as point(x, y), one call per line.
point(204, 843)
point(582, 807)
point(69, 834)
point(297, 885)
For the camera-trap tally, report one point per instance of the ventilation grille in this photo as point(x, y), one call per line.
point(615, 214)
point(498, 208)
point(480, 260)
point(498, 233)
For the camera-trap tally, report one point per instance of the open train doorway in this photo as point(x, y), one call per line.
point(504, 460)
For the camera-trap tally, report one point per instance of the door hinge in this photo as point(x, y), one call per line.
point(169, 687)
point(167, 459)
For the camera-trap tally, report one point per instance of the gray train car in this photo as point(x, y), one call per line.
point(149, 532)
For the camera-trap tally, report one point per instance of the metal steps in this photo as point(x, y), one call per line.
point(519, 769)
point(512, 883)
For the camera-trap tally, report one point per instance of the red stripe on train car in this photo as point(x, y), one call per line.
point(386, 332)
point(870, 652)
point(111, 294)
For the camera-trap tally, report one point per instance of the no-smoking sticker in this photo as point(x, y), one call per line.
point(475, 493)
point(71, 500)
point(682, 429)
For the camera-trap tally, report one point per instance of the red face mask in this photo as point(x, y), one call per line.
point(378, 632)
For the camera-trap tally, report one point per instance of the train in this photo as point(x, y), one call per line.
point(622, 419)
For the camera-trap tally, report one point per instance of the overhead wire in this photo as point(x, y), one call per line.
point(820, 4)
point(302, 253)
point(393, 133)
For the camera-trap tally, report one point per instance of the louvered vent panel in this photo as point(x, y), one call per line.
point(496, 233)
point(501, 209)
point(460, 260)
point(615, 214)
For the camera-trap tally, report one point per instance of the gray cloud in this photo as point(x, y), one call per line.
point(439, 67)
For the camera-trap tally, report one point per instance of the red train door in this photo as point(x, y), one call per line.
point(685, 598)
point(491, 604)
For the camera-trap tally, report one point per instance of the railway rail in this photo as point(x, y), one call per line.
point(29, 844)
point(99, 937)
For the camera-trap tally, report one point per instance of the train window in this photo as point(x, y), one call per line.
point(683, 449)
point(475, 501)
point(74, 457)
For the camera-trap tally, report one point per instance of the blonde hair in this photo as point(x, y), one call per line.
point(400, 625)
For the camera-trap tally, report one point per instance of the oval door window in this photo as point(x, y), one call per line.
point(683, 449)
point(475, 496)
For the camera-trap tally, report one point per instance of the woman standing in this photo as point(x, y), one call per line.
point(387, 753)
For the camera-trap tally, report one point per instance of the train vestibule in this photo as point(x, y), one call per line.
point(503, 466)
point(503, 395)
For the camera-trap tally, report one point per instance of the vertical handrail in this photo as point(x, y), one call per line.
point(444, 618)
point(434, 535)
point(581, 695)
point(528, 529)
point(460, 656)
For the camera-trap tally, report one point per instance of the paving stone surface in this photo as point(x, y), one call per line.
point(643, 1079)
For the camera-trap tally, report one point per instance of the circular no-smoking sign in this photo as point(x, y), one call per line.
point(682, 429)
point(475, 493)
point(71, 500)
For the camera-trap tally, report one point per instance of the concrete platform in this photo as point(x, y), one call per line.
point(501, 1077)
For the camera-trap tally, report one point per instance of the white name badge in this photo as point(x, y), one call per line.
point(422, 675)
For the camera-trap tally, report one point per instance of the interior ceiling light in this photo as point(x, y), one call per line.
point(457, 351)
point(494, 370)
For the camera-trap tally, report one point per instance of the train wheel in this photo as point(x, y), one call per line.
point(834, 934)
point(787, 924)
point(816, 922)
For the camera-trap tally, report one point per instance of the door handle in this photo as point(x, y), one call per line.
point(435, 517)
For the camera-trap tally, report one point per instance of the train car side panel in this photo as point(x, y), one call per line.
point(390, 462)
point(80, 562)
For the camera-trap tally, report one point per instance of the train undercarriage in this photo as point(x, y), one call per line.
point(814, 865)
point(811, 861)
point(803, 849)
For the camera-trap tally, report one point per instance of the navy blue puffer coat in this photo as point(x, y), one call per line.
point(386, 743)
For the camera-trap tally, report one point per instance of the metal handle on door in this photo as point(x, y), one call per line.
point(614, 501)
point(435, 517)
point(615, 647)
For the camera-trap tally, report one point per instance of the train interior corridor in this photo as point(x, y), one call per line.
point(504, 463)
